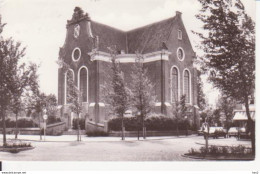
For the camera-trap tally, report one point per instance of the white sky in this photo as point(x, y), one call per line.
point(41, 26)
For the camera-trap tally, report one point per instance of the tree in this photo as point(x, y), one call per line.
point(25, 78)
point(229, 47)
point(179, 110)
point(142, 89)
point(201, 96)
point(51, 106)
point(74, 95)
point(207, 119)
point(227, 105)
point(10, 74)
point(216, 117)
point(118, 98)
point(75, 100)
point(36, 103)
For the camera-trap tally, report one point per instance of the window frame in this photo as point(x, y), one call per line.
point(183, 54)
point(178, 85)
point(72, 54)
point(179, 34)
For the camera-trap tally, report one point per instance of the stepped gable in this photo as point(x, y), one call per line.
point(149, 38)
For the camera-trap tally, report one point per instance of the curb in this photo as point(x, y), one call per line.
point(104, 140)
point(15, 150)
point(217, 159)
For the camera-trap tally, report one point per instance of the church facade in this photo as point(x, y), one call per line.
point(167, 55)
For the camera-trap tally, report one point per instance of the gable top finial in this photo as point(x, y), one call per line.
point(178, 13)
point(78, 15)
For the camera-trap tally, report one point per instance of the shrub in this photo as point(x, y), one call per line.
point(193, 151)
point(21, 123)
point(159, 123)
point(203, 150)
point(152, 123)
point(24, 123)
point(20, 144)
point(8, 123)
point(131, 124)
point(81, 123)
point(214, 150)
point(53, 119)
point(97, 134)
point(14, 147)
point(224, 150)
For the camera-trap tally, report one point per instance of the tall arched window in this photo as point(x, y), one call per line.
point(69, 76)
point(174, 84)
point(187, 85)
point(83, 83)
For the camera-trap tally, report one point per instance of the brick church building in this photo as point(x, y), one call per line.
point(168, 57)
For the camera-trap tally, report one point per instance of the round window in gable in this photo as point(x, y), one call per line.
point(180, 54)
point(76, 54)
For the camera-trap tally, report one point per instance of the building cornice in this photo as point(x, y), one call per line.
point(129, 58)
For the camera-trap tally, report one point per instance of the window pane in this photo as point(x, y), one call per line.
point(187, 86)
point(83, 84)
point(174, 84)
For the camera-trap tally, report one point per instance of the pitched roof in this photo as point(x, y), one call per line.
point(108, 36)
point(149, 38)
point(144, 39)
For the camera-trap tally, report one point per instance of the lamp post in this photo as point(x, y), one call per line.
point(45, 117)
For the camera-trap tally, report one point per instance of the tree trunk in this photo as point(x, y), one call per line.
point(138, 127)
point(16, 125)
point(78, 136)
point(186, 127)
point(40, 114)
point(4, 129)
point(143, 126)
point(207, 142)
point(250, 125)
point(138, 133)
point(206, 137)
point(177, 126)
point(123, 128)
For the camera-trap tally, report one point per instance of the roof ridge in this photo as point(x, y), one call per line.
point(154, 23)
point(109, 26)
point(170, 32)
point(126, 31)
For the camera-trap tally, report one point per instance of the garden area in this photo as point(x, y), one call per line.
point(214, 152)
point(152, 123)
point(15, 146)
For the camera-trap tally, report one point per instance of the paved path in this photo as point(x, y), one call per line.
point(66, 148)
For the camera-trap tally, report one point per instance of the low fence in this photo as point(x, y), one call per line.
point(149, 133)
point(22, 131)
point(52, 129)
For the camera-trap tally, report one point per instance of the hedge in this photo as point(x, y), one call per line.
point(81, 123)
point(152, 123)
point(97, 134)
point(22, 123)
point(53, 119)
